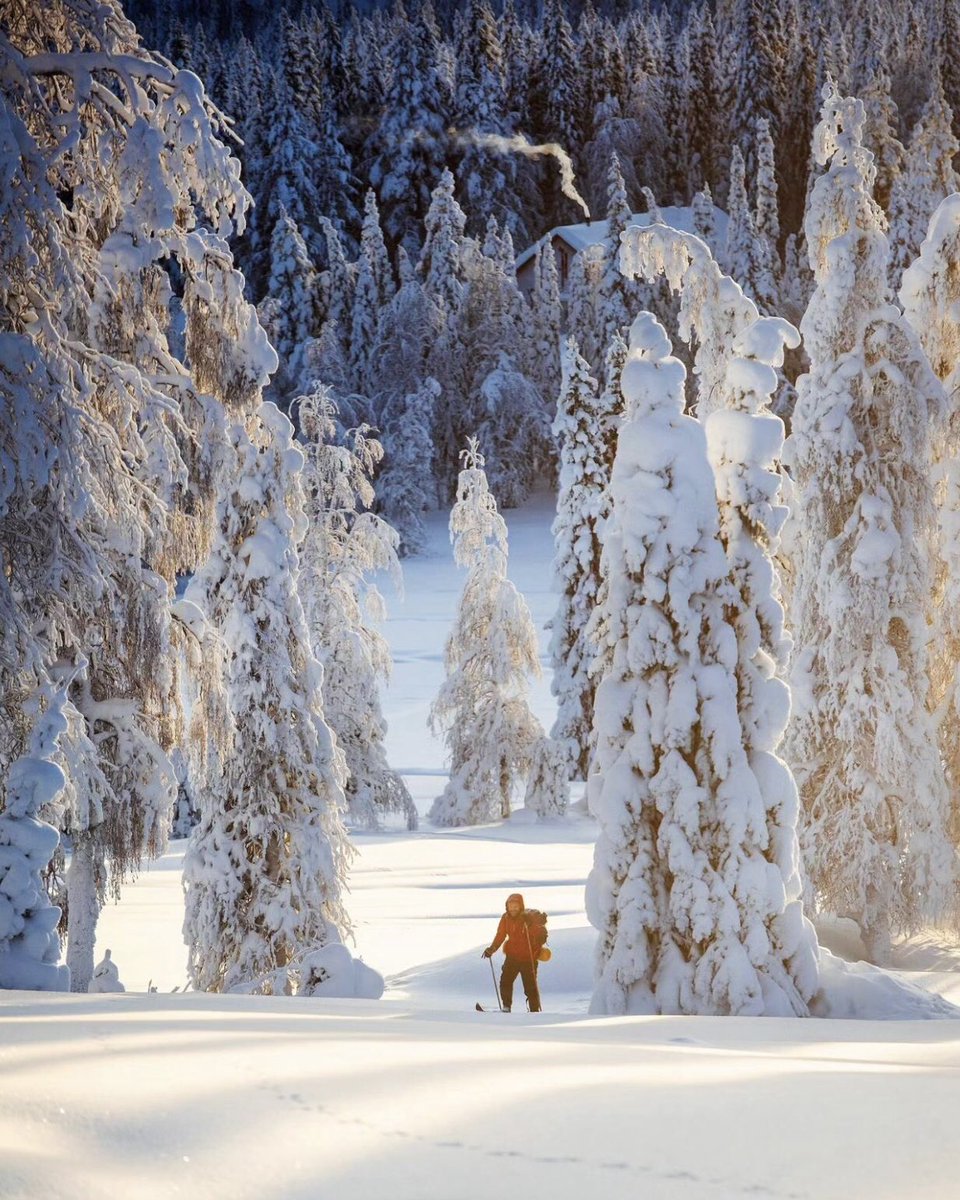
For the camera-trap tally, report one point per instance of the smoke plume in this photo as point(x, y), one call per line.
point(519, 145)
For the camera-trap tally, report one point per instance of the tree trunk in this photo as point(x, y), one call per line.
point(83, 910)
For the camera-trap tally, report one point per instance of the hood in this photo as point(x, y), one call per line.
point(514, 896)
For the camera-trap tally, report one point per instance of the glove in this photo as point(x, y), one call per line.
point(488, 953)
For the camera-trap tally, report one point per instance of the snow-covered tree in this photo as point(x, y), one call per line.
point(704, 218)
point(405, 487)
point(744, 257)
point(546, 321)
point(617, 296)
point(345, 546)
point(441, 260)
point(29, 943)
point(860, 739)
point(768, 208)
point(410, 141)
point(582, 507)
point(512, 421)
point(548, 786)
point(713, 312)
point(930, 296)
point(265, 870)
point(118, 188)
point(491, 651)
point(373, 291)
point(289, 309)
point(694, 882)
point(928, 176)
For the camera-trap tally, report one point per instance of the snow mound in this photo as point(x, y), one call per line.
point(106, 976)
point(333, 971)
point(861, 992)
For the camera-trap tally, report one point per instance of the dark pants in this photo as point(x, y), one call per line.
point(512, 967)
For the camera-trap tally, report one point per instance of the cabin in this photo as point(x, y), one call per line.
point(569, 240)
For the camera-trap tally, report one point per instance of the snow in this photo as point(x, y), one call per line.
point(418, 1097)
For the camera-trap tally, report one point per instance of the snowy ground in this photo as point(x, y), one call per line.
point(417, 1096)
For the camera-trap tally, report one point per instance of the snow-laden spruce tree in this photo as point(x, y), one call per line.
point(265, 870)
point(548, 785)
point(29, 943)
point(582, 507)
point(767, 222)
point(745, 258)
point(373, 291)
point(491, 651)
point(930, 296)
point(406, 489)
point(714, 310)
point(441, 259)
point(618, 295)
point(694, 882)
point(927, 177)
point(289, 309)
point(546, 320)
point(345, 546)
point(860, 739)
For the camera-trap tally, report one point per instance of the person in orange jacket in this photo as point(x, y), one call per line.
point(524, 932)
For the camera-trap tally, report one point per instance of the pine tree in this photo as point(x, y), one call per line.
point(931, 300)
point(708, 130)
point(927, 178)
point(441, 260)
point(548, 789)
point(482, 706)
point(713, 312)
point(265, 869)
point(694, 899)
point(768, 209)
point(546, 321)
point(880, 134)
point(373, 291)
point(289, 311)
point(860, 739)
point(744, 257)
point(405, 487)
point(705, 220)
point(582, 508)
point(29, 945)
point(617, 299)
point(512, 421)
point(409, 144)
point(346, 544)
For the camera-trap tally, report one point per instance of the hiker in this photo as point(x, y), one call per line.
point(524, 931)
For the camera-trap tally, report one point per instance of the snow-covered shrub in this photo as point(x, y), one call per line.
point(334, 972)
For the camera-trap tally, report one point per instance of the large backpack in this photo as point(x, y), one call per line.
point(534, 917)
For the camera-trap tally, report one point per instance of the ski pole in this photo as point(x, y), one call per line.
point(495, 988)
point(533, 967)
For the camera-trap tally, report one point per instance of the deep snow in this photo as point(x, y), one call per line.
point(417, 1096)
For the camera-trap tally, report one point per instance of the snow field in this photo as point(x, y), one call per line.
point(418, 1097)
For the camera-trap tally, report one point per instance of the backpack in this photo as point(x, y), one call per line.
point(534, 916)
